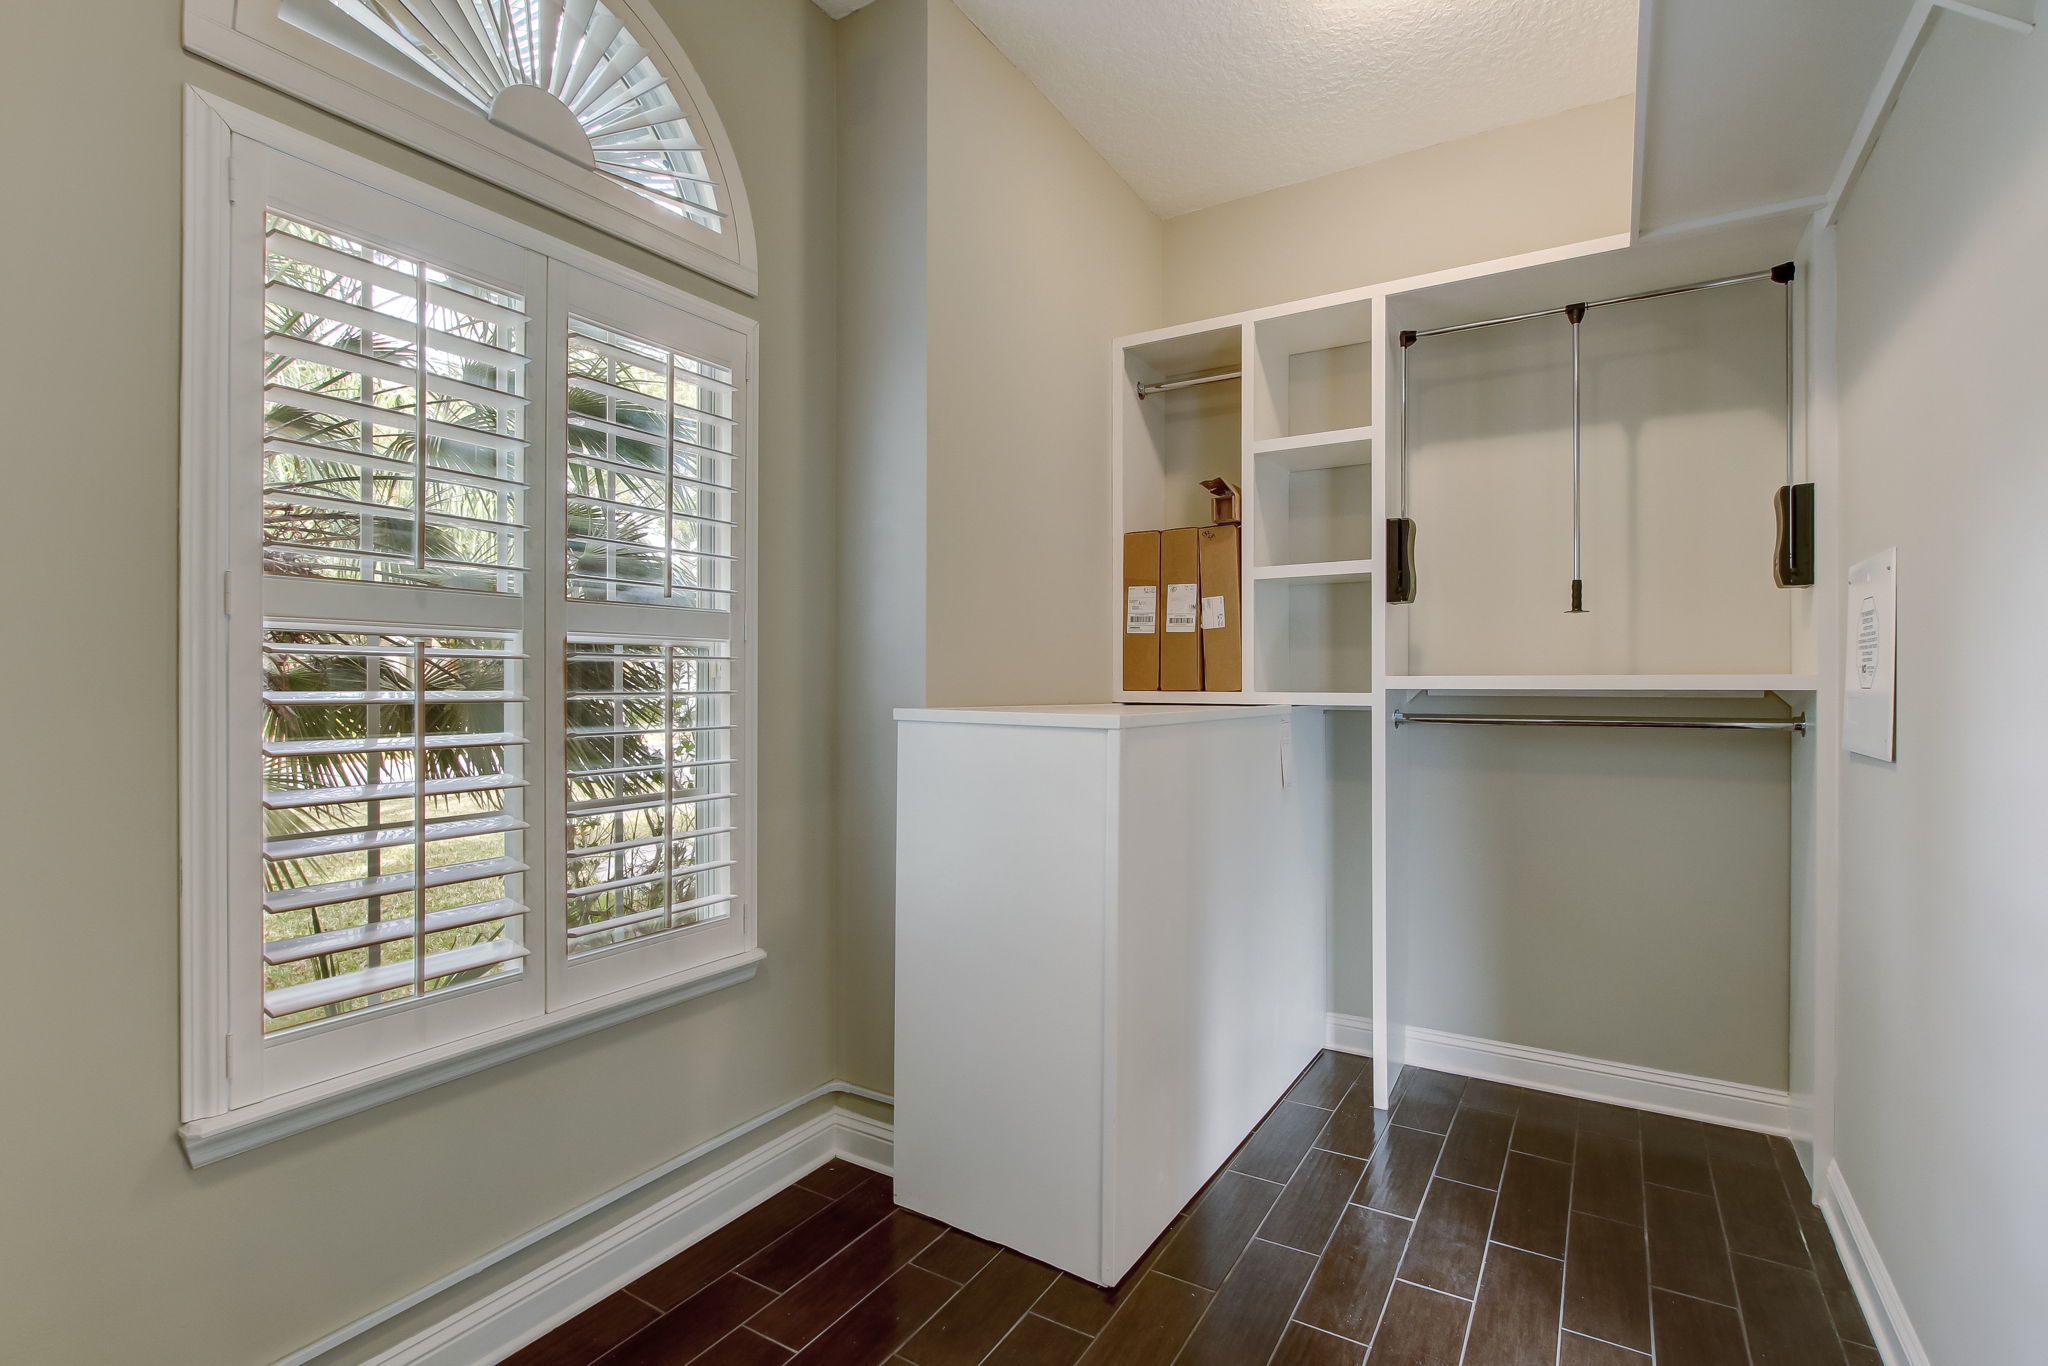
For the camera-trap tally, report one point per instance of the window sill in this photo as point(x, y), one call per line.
point(220, 1136)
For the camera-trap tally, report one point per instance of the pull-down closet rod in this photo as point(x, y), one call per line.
point(1796, 724)
point(1145, 389)
point(1596, 303)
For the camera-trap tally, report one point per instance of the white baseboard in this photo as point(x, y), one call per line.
point(1617, 1083)
point(492, 1328)
point(1897, 1343)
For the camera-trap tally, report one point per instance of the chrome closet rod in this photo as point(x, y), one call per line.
point(1145, 389)
point(1596, 303)
point(1796, 724)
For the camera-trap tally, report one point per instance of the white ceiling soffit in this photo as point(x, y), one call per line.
point(839, 9)
point(1196, 102)
point(1751, 103)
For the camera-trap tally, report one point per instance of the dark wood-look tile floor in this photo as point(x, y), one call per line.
point(1475, 1225)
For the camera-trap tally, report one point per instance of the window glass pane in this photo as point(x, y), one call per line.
point(651, 841)
point(651, 477)
point(384, 755)
point(394, 417)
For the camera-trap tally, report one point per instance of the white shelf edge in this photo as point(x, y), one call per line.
point(1341, 436)
point(1251, 699)
point(1357, 701)
point(1605, 685)
point(1325, 571)
point(1084, 716)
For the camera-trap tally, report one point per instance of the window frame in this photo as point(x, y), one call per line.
point(251, 37)
point(222, 610)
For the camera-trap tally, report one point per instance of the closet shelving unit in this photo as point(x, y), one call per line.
point(1310, 430)
point(1294, 429)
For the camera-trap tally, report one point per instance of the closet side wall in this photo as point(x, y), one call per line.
point(1940, 1107)
point(973, 570)
point(880, 586)
point(1548, 183)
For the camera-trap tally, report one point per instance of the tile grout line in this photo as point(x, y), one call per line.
point(1649, 1267)
point(862, 1299)
point(1364, 1167)
point(1409, 1242)
point(1500, 1182)
point(1727, 1247)
point(1299, 1163)
point(1571, 1191)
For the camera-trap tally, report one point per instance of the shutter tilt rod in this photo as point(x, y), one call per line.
point(1147, 389)
point(1797, 724)
point(1575, 314)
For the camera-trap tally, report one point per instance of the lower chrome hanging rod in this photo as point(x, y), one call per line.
point(1146, 389)
point(1796, 725)
point(1780, 274)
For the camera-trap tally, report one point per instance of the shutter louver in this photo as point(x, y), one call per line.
point(651, 477)
point(392, 790)
point(651, 789)
point(395, 448)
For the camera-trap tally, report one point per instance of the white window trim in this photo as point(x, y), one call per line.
point(249, 37)
point(211, 1130)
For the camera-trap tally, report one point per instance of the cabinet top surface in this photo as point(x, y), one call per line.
point(1087, 715)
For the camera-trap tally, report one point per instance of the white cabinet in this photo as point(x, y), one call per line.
point(1111, 959)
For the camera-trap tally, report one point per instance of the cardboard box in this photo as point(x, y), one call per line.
point(1222, 617)
point(1180, 637)
point(1141, 611)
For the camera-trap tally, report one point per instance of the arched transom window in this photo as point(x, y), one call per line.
point(585, 105)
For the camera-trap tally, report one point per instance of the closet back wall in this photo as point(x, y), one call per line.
point(1618, 895)
point(1546, 183)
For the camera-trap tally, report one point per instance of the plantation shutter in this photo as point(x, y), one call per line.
point(481, 546)
point(655, 811)
point(385, 898)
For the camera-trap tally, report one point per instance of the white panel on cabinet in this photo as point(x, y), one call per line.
point(1112, 939)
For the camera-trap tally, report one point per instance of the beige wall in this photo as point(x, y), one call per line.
point(880, 584)
point(1038, 256)
point(1943, 935)
point(1544, 184)
point(114, 1250)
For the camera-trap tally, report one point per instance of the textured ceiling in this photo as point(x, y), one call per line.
point(1195, 102)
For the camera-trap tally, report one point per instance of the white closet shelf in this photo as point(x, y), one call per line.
point(1318, 450)
point(1607, 685)
point(1326, 571)
point(1355, 701)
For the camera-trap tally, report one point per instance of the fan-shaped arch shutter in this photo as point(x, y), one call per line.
point(588, 106)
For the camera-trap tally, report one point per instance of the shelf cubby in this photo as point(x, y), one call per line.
point(1313, 635)
point(1170, 442)
point(1313, 371)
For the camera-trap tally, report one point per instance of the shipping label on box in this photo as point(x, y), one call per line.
point(1141, 610)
